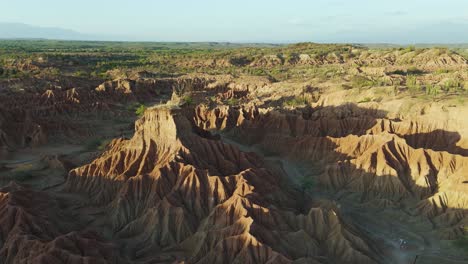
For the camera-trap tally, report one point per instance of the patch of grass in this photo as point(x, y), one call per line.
point(296, 101)
point(140, 110)
point(81, 74)
point(232, 101)
point(453, 85)
point(410, 48)
point(361, 82)
point(187, 100)
point(213, 98)
point(383, 82)
point(441, 71)
point(432, 90)
point(365, 100)
point(137, 108)
point(399, 72)
point(414, 71)
point(412, 84)
point(410, 71)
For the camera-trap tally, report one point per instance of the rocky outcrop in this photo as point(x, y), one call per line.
point(30, 232)
point(177, 190)
point(360, 150)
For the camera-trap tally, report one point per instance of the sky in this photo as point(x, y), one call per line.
point(274, 21)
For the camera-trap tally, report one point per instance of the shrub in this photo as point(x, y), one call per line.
point(187, 100)
point(360, 82)
point(295, 101)
point(410, 48)
point(365, 100)
point(414, 71)
point(54, 72)
point(241, 60)
point(442, 71)
point(80, 73)
point(232, 101)
point(140, 110)
point(410, 71)
point(432, 89)
point(383, 82)
point(412, 84)
point(399, 72)
point(452, 84)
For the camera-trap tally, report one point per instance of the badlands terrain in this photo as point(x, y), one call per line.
point(229, 153)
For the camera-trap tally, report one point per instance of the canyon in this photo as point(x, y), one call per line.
point(340, 158)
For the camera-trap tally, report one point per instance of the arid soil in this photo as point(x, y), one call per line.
point(238, 169)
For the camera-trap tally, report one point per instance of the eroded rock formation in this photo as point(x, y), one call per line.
point(360, 150)
point(175, 189)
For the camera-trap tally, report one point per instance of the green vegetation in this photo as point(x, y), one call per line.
point(441, 71)
point(296, 101)
point(414, 71)
point(137, 108)
point(410, 48)
point(81, 74)
point(413, 85)
point(140, 110)
point(410, 71)
point(365, 100)
point(453, 85)
point(96, 59)
point(11, 73)
point(432, 90)
point(232, 101)
point(361, 82)
point(187, 100)
point(100, 61)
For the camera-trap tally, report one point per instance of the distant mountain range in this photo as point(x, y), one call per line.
point(24, 31)
point(437, 34)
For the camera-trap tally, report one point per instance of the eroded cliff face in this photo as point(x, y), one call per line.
point(33, 230)
point(361, 150)
point(176, 190)
point(304, 153)
point(32, 116)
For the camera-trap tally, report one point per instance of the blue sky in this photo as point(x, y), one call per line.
point(390, 21)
